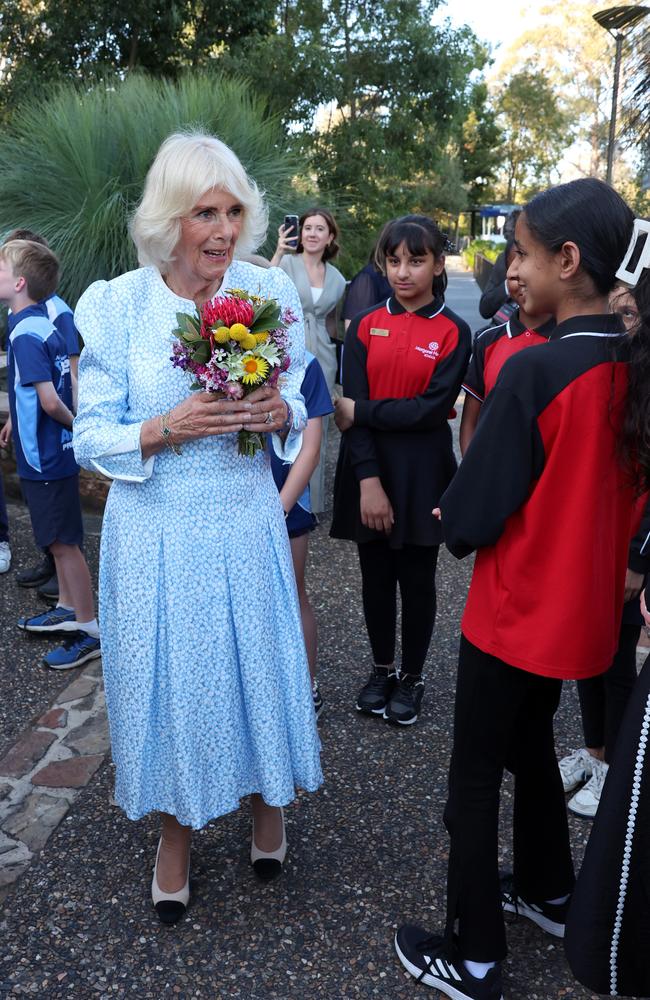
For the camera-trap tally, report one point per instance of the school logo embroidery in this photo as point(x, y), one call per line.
point(432, 351)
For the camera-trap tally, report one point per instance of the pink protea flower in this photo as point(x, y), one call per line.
point(226, 311)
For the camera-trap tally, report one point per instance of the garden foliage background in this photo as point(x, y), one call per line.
point(372, 110)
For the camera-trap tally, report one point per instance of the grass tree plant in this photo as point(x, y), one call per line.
point(73, 165)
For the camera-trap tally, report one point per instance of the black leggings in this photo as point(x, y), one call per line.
point(603, 699)
point(503, 719)
point(413, 567)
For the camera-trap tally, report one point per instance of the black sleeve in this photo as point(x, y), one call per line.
point(429, 409)
point(474, 381)
point(359, 440)
point(639, 556)
point(495, 293)
point(505, 456)
point(362, 294)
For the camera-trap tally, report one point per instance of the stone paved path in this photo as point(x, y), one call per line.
point(44, 772)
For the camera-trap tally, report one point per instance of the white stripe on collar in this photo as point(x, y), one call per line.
point(588, 334)
point(508, 330)
point(489, 329)
point(389, 310)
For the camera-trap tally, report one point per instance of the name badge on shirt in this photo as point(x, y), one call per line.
point(375, 331)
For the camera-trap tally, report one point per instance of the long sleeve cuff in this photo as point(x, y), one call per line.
point(289, 448)
point(124, 460)
point(366, 470)
point(362, 409)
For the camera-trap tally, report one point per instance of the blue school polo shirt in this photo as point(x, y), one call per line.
point(36, 352)
point(60, 313)
point(318, 403)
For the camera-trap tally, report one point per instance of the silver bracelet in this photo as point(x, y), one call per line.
point(167, 432)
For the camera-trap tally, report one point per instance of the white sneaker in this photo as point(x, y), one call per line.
point(576, 768)
point(5, 557)
point(585, 802)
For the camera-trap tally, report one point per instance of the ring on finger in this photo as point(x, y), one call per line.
point(269, 417)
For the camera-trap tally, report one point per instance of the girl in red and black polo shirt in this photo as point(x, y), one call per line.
point(546, 501)
point(492, 348)
point(403, 363)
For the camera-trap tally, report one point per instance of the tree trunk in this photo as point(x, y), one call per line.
point(133, 50)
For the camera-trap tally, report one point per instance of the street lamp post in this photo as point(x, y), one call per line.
point(614, 20)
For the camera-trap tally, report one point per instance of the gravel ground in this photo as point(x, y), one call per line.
point(26, 687)
point(366, 852)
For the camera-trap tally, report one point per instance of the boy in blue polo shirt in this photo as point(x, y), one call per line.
point(40, 403)
point(59, 312)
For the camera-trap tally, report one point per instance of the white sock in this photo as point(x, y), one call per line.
point(91, 627)
point(559, 900)
point(64, 607)
point(478, 969)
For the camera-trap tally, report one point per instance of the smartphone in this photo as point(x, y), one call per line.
point(291, 224)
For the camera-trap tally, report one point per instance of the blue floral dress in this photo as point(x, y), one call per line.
point(207, 684)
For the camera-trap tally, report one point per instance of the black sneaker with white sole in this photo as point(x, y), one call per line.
point(374, 694)
point(427, 958)
point(551, 917)
point(403, 706)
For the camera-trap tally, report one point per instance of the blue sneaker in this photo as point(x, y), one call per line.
point(76, 649)
point(54, 620)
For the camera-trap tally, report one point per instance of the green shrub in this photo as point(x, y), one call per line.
point(73, 166)
point(488, 248)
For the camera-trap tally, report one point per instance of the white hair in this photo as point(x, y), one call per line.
point(186, 166)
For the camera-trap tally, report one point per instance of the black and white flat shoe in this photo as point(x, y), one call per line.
point(170, 906)
point(268, 866)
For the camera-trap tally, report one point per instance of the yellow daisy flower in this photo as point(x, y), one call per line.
point(255, 369)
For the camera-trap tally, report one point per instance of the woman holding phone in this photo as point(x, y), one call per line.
point(320, 287)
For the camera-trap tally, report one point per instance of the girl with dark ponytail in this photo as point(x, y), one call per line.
point(403, 363)
point(544, 499)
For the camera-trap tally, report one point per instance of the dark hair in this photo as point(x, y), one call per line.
point(25, 234)
point(590, 214)
point(330, 252)
point(421, 236)
point(510, 223)
point(509, 247)
point(635, 442)
point(35, 263)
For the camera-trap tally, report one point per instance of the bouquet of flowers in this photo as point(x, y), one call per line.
point(237, 343)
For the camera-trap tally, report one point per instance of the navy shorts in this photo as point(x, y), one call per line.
point(55, 510)
point(300, 521)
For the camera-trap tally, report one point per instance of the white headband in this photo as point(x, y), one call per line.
point(641, 227)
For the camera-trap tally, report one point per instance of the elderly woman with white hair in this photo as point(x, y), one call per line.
point(207, 684)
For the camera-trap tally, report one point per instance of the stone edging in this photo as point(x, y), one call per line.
point(44, 772)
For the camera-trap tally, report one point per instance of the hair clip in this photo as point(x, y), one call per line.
point(637, 256)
